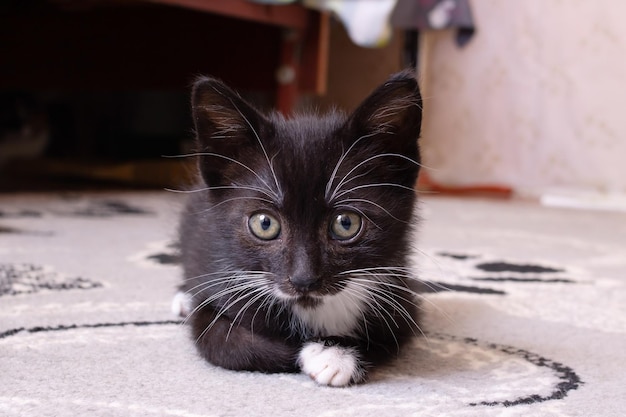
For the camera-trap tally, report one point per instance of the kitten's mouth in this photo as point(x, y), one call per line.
point(309, 298)
point(304, 299)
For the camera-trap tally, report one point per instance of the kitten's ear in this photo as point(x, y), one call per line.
point(393, 112)
point(228, 129)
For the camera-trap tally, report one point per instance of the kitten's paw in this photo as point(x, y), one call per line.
point(330, 365)
point(181, 304)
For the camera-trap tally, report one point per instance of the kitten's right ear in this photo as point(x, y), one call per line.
point(226, 126)
point(393, 108)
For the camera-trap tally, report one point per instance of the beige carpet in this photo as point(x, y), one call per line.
point(533, 322)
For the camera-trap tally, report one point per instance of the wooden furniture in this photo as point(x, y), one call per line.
point(87, 45)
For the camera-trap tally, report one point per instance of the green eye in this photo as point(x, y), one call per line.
point(264, 226)
point(345, 225)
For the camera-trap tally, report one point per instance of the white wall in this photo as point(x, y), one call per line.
point(536, 100)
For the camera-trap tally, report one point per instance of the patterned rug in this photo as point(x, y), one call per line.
point(529, 317)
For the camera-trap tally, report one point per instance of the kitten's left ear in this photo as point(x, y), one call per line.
point(228, 131)
point(395, 110)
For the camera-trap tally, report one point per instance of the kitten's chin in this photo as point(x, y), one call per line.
point(302, 300)
point(307, 301)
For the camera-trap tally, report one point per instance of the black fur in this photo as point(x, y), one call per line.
point(251, 163)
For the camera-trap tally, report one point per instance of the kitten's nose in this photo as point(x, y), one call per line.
point(304, 282)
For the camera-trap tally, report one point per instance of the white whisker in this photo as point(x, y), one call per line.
point(375, 307)
point(240, 293)
point(357, 166)
point(241, 164)
point(382, 279)
point(382, 184)
point(222, 187)
point(220, 294)
point(226, 272)
point(228, 200)
point(234, 283)
point(260, 292)
point(256, 135)
point(363, 200)
point(268, 302)
point(340, 161)
point(391, 299)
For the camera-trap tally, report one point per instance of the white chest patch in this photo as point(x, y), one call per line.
point(337, 315)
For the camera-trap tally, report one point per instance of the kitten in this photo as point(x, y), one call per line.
point(295, 244)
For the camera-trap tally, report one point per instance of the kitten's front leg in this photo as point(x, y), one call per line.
point(329, 363)
point(237, 347)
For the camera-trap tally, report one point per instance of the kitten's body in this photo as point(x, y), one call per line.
point(295, 244)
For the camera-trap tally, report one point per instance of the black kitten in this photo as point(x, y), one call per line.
point(295, 244)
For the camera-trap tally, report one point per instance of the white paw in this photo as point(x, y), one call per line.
point(330, 365)
point(181, 304)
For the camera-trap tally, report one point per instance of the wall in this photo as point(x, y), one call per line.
point(536, 100)
point(353, 71)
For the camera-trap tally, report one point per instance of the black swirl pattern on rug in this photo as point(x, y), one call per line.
point(499, 271)
point(171, 256)
point(568, 379)
point(75, 207)
point(60, 328)
point(16, 279)
point(107, 208)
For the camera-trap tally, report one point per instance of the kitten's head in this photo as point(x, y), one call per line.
point(310, 201)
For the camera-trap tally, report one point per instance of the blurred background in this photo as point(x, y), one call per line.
point(534, 101)
point(520, 97)
point(94, 92)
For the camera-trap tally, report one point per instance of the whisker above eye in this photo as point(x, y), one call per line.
point(363, 200)
point(241, 164)
point(382, 184)
point(340, 162)
point(228, 200)
point(346, 177)
point(222, 187)
point(260, 142)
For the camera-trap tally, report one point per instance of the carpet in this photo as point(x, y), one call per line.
point(529, 317)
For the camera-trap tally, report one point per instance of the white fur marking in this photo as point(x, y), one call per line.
point(337, 315)
point(181, 304)
point(334, 365)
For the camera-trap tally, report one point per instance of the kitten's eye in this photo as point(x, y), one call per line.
point(345, 226)
point(264, 226)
